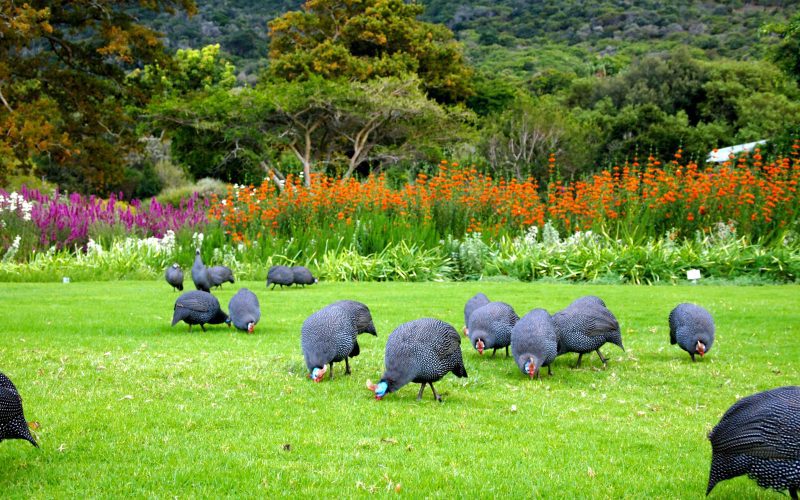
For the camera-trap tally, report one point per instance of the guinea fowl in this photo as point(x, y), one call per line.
point(302, 276)
point(174, 276)
point(198, 308)
point(692, 328)
point(420, 351)
point(217, 275)
point(12, 419)
point(490, 327)
point(476, 301)
point(534, 342)
point(584, 326)
point(328, 336)
point(759, 436)
point(200, 273)
point(362, 318)
point(244, 310)
point(280, 275)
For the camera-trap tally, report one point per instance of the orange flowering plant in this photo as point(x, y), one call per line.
point(759, 198)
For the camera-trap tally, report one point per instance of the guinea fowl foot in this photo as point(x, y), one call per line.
point(435, 394)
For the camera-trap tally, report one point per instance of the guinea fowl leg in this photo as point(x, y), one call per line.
point(506, 351)
point(549, 370)
point(435, 394)
point(604, 360)
point(421, 388)
point(494, 351)
point(331, 367)
point(692, 355)
point(793, 493)
point(346, 366)
point(202, 327)
point(580, 355)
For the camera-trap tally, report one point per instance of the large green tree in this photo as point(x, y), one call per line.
point(366, 39)
point(326, 125)
point(63, 86)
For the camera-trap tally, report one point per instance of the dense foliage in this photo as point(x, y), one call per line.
point(64, 91)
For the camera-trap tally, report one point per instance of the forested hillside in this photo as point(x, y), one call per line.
point(510, 34)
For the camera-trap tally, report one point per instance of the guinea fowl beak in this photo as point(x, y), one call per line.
point(374, 388)
point(479, 346)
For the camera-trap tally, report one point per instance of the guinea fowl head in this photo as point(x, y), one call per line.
point(379, 389)
point(251, 327)
point(479, 345)
point(317, 373)
point(700, 348)
point(531, 369)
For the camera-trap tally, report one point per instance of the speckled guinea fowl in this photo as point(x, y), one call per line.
point(328, 336)
point(12, 419)
point(534, 342)
point(198, 308)
point(584, 326)
point(244, 310)
point(692, 328)
point(217, 275)
point(420, 351)
point(490, 327)
point(280, 275)
point(174, 276)
point(302, 276)
point(759, 436)
point(200, 273)
point(476, 301)
point(362, 318)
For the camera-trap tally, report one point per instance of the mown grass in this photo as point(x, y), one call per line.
point(131, 407)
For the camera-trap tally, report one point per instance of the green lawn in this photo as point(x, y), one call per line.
point(131, 407)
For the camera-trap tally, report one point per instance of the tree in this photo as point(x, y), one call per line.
point(520, 140)
point(63, 87)
point(366, 39)
point(323, 123)
point(190, 70)
point(786, 53)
